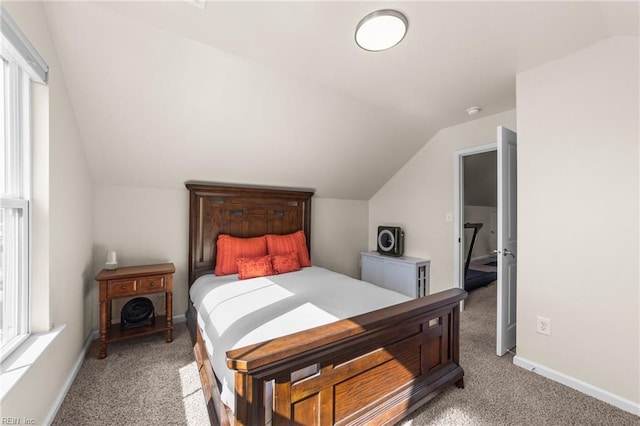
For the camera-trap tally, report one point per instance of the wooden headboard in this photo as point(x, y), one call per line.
point(240, 212)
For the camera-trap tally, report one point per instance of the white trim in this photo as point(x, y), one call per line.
point(94, 335)
point(15, 44)
point(457, 219)
point(16, 129)
point(579, 385)
point(70, 378)
point(23, 358)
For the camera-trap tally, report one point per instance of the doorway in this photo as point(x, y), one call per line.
point(475, 204)
point(506, 241)
point(480, 219)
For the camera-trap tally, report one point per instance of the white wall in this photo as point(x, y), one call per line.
point(338, 234)
point(150, 225)
point(420, 195)
point(144, 226)
point(140, 87)
point(578, 183)
point(62, 226)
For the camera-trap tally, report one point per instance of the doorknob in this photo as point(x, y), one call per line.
point(507, 251)
point(497, 251)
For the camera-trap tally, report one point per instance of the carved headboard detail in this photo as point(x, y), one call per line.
point(240, 212)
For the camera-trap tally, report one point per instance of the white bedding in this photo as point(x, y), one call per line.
point(234, 313)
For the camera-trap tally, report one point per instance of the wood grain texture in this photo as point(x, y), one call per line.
point(254, 358)
point(374, 368)
point(240, 212)
point(134, 281)
point(389, 367)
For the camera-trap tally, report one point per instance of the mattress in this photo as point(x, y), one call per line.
point(234, 313)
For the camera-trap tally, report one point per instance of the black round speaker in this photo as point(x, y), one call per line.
point(390, 240)
point(137, 312)
point(386, 240)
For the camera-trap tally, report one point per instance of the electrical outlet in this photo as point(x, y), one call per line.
point(543, 326)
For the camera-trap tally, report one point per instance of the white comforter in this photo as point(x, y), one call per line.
point(234, 313)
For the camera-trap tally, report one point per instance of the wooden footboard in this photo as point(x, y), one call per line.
point(371, 369)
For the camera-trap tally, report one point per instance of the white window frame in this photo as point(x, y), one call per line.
point(15, 193)
point(22, 65)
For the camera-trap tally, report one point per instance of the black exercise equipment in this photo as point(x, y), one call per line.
point(474, 279)
point(476, 227)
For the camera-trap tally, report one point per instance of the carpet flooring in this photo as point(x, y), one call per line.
point(143, 381)
point(474, 279)
point(499, 393)
point(149, 382)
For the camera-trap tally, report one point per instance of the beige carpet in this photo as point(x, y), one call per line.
point(143, 381)
point(148, 382)
point(499, 393)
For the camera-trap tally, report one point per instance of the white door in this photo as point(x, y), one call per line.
point(507, 239)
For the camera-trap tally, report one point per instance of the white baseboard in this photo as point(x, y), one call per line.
point(94, 335)
point(72, 376)
point(579, 385)
point(25, 355)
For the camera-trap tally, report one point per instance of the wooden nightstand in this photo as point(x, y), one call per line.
point(134, 281)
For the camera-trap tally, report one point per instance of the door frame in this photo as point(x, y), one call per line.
point(458, 207)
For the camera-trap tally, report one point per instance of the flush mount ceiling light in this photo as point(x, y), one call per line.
point(381, 30)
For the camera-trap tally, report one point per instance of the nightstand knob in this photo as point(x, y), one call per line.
point(152, 284)
point(123, 287)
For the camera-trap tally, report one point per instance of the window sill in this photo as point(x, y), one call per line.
point(20, 361)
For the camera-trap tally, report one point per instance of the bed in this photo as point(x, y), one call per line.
point(347, 352)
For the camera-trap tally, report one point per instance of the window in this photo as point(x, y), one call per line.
point(20, 65)
point(14, 205)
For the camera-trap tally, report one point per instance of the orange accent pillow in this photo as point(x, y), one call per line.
point(285, 244)
point(283, 263)
point(229, 249)
point(252, 267)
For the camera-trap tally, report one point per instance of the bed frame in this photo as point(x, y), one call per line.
point(374, 368)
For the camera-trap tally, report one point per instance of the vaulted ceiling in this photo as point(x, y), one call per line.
point(278, 93)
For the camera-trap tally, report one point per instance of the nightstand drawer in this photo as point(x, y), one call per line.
point(151, 284)
point(122, 288)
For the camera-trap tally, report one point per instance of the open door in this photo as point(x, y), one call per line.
point(507, 241)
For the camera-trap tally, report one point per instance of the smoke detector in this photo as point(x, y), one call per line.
point(474, 110)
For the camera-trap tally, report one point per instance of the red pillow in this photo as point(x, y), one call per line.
point(252, 267)
point(285, 244)
point(283, 263)
point(229, 249)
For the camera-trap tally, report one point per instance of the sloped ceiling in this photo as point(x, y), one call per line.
point(277, 93)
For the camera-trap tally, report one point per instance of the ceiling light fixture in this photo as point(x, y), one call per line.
point(381, 30)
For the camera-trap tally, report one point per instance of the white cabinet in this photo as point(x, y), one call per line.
point(404, 274)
